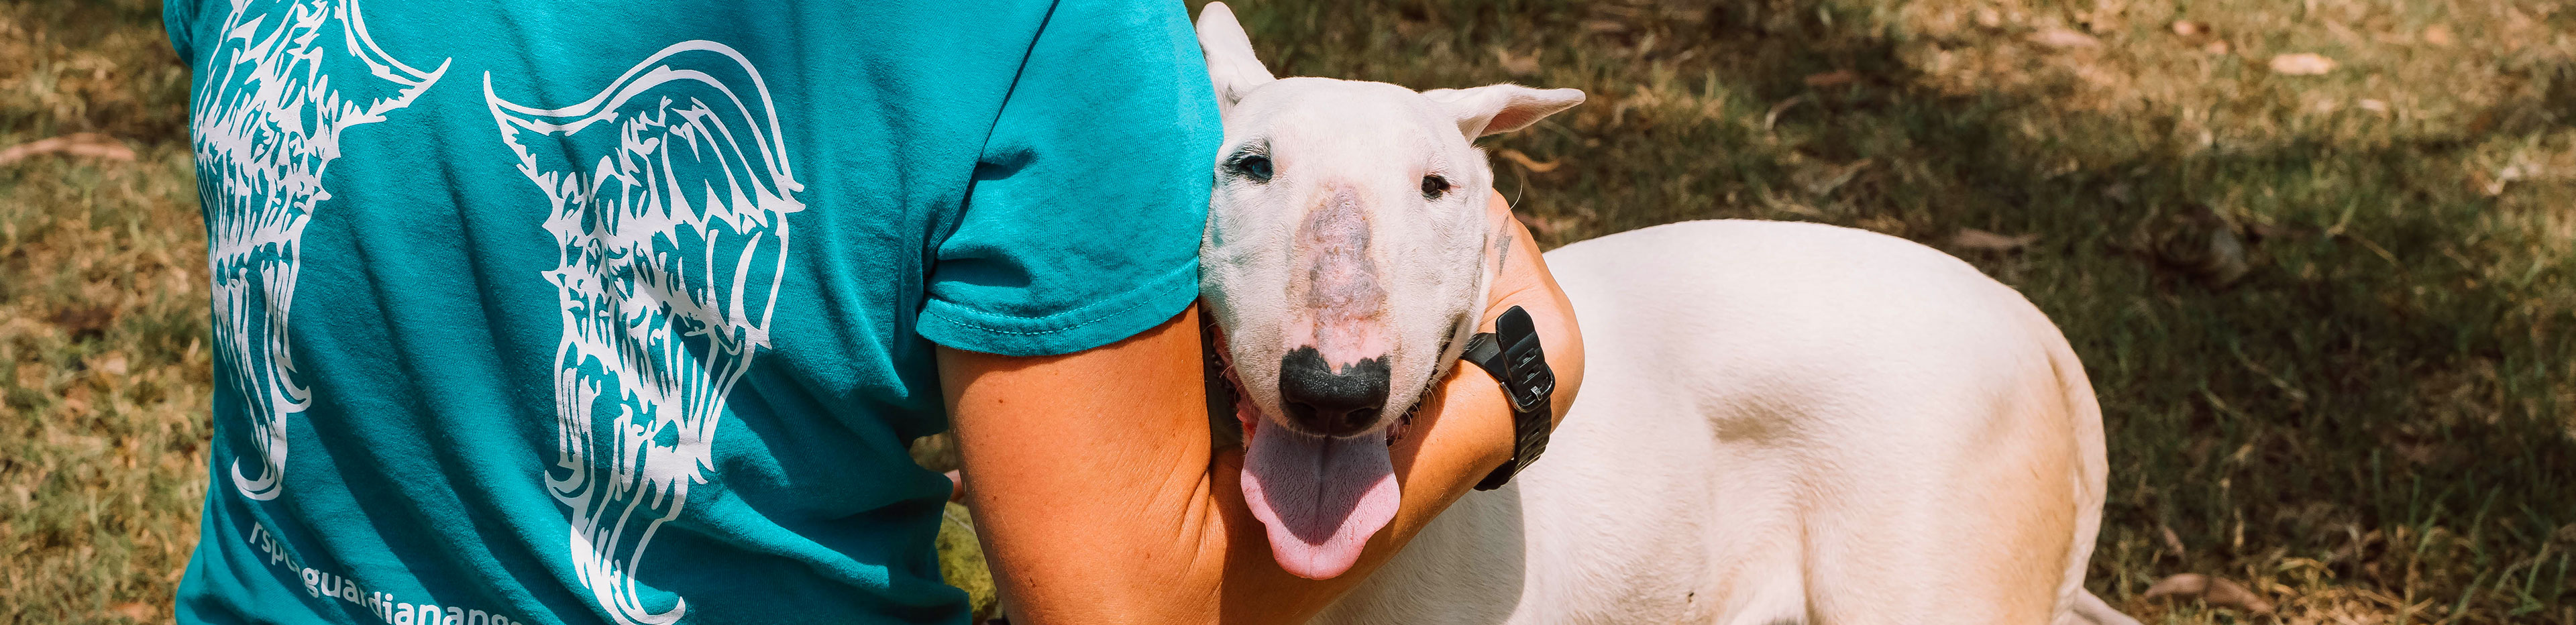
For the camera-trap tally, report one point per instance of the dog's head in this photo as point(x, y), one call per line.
point(1346, 259)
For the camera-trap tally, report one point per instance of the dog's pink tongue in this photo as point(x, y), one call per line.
point(1321, 498)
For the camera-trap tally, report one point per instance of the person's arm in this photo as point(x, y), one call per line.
point(1100, 498)
point(1525, 281)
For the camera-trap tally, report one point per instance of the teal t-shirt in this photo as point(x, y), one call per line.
point(624, 312)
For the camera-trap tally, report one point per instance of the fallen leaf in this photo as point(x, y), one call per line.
point(85, 322)
point(2485, 121)
point(2214, 591)
point(88, 144)
point(112, 363)
point(2417, 453)
point(1832, 78)
point(134, 610)
point(2479, 182)
point(2494, 185)
point(1983, 241)
point(2064, 39)
point(1517, 65)
point(76, 402)
point(1795, 208)
point(2438, 34)
point(2205, 244)
point(1408, 27)
point(1772, 118)
point(2118, 192)
point(1823, 178)
point(1535, 166)
point(2302, 64)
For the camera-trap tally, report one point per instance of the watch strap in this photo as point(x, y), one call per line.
point(1511, 354)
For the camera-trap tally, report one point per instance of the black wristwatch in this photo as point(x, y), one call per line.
point(1511, 353)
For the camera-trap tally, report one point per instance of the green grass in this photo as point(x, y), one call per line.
point(103, 325)
point(2371, 424)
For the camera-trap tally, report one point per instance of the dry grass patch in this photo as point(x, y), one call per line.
point(102, 321)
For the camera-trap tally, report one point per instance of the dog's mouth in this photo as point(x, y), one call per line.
point(1320, 498)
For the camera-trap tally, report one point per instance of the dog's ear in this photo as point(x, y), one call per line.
point(1230, 63)
point(1502, 108)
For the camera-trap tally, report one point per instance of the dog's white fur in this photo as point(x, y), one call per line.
point(1780, 422)
point(1373, 143)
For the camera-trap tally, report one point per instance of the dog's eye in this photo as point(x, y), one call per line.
point(1254, 166)
point(1433, 186)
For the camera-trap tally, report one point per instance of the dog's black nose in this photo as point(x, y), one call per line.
point(1331, 402)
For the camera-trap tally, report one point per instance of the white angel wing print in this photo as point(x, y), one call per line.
point(669, 193)
point(287, 80)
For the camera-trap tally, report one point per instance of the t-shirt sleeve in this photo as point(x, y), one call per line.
point(1082, 225)
point(177, 17)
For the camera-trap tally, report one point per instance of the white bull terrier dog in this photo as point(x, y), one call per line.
point(1781, 422)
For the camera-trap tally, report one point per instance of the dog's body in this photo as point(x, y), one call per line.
point(1779, 423)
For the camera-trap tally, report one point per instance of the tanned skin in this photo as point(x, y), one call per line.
point(1100, 498)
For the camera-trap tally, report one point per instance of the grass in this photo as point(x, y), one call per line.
point(103, 321)
point(2331, 317)
point(2364, 416)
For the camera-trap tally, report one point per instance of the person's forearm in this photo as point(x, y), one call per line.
point(1463, 433)
point(1526, 280)
point(1166, 542)
point(1114, 507)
